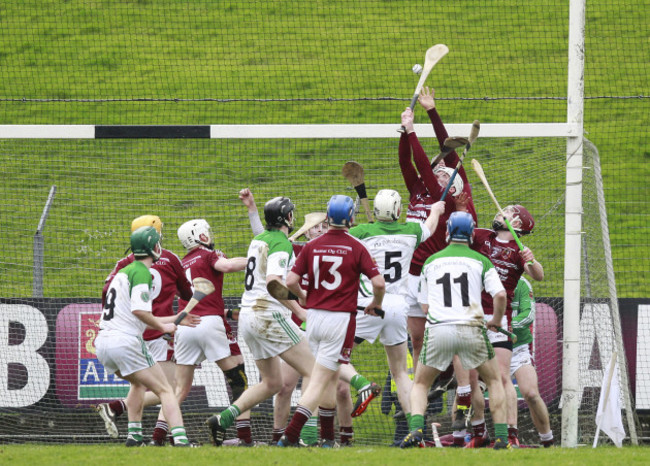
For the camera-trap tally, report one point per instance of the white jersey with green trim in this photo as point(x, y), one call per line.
point(129, 291)
point(391, 244)
point(270, 253)
point(451, 284)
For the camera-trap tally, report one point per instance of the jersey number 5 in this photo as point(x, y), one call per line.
point(461, 280)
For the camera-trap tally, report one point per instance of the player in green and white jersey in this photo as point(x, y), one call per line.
point(264, 322)
point(522, 366)
point(450, 295)
point(120, 347)
point(391, 244)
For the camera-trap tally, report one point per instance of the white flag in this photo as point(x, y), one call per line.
point(609, 419)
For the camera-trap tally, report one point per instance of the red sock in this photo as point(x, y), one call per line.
point(300, 417)
point(244, 430)
point(326, 417)
point(479, 430)
point(347, 433)
point(277, 433)
point(160, 431)
point(117, 406)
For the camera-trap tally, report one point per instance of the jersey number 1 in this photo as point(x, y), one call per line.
point(445, 281)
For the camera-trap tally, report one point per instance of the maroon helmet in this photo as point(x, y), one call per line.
point(517, 212)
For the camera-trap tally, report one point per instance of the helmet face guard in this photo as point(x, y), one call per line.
point(145, 242)
point(340, 211)
point(460, 227)
point(458, 183)
point(279, 212)
point(196, 233)
point(520, 219)
point(387, 205)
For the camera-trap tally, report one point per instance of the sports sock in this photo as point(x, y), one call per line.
point(326, 417)
point(359, 382)
point(160, 431)
point(416, 422)
point(309, 432)
point(300, 417)
point(546, 437)
point(464, 397)
point(180, 436)
point(478, 428)
point(513, 431)
point(244, 430)
point(347, 433)
point(118, 407)
point(408, 418)
point(459, 437)
point(501, 431)
point(135, 431)
point(277, 433)
point(229, 415)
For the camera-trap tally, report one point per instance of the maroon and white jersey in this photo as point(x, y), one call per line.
point(333, 263)
point(424, 190)
point(199, 262)
point(507, 261)
point(168, 280)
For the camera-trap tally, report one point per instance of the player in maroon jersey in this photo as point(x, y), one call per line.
point(212, 339)
point(510, 262)
point(425, 189)
point(333, 264)
point(168, 281)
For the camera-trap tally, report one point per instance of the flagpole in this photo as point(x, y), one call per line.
point(612, 365)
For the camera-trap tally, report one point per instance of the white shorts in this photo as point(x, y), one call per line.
point(161, 350)
point(267, 333)
point(391, 329)
point(124, 353)
point(330, 336)
point(414, 308)
point(442, 342)
point(209, 340)
point(520, 357)
point(496, 337)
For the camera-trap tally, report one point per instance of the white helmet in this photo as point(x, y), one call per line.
point(388, 205)
point(458, 181)
point(195, 233)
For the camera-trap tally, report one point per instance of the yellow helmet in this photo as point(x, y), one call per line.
point(147, 221)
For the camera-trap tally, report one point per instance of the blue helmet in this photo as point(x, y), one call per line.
point(460, 227)
point(340, 211)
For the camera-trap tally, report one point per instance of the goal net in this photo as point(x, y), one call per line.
point(101, 185)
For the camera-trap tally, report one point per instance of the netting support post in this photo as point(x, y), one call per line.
point(573, 227)
point(39, 248)
point(613, 298)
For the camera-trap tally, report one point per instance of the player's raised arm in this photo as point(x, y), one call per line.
point(409, 173)
point(437, 210)
point(224, 265)
point(246, 197)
